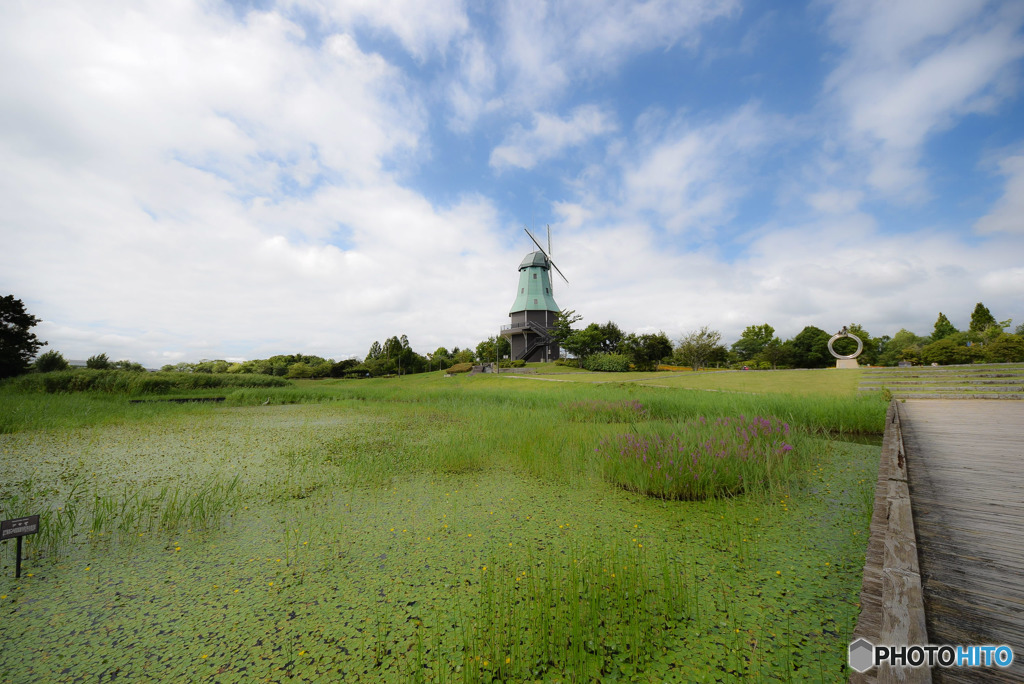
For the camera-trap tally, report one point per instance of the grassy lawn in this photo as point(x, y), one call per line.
point(826, 381)
point(425, 529)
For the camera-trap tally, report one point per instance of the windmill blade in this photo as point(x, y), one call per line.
point(559, 271)
point(549, 241)
point(535, 242)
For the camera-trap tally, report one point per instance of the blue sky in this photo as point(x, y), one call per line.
point(208, 180)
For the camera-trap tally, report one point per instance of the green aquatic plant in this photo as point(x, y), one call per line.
point(701, 458)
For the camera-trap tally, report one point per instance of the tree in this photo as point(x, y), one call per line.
point(752, 341)
point(943, 328)
point(463, 356)
point(562, 328)
point(809, 349)
point(493, 349)
point(904, 346)
point(774, 353)
point(611, 337)
point(698, 347)
point(18, 345)
point(51, 361)
point(583, 343)
point(646, 351)
point(981, 319)
point(98, 362)
point(1006, 348)
point(1019, 330)
point(947, 351)
point(375, 351)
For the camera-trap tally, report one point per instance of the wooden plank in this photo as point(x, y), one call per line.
point(965, 467)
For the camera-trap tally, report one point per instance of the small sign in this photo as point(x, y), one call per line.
point(19, 527)
point(16, 528)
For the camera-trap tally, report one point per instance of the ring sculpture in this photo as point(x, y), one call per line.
point(839, 335)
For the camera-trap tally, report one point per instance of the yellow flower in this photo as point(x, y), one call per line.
point(270, 584)
point(88, 567)
point(204, 656)
point(508, 660)
point(302, 653)
point(778, 572)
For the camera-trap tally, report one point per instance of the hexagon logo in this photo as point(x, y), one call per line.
point(862, 655)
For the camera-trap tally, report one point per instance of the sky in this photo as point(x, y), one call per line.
point(199, 179)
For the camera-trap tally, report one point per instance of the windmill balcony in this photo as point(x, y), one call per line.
point(524, 324)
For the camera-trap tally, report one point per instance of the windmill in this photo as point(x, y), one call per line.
point(534, 310)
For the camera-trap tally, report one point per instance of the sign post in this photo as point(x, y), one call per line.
point(18, 528)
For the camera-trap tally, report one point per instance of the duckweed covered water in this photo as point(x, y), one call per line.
point(402, 542)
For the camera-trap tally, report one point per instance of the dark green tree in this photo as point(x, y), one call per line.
point(774, 353)
point(981, 319)
point(947, 351)
point(51, 361)
point(809, 349)
point(611, 337)
point(18, 344)
point(943, 328)
point(646, 351)
point(752, 341)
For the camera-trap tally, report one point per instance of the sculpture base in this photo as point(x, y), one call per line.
point(847, 363)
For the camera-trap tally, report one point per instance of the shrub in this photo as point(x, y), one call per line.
point(98, 362)
point(614, 363)
point(701, 459)
point(51, 361)
point(461, 368)
point(567, 362)
point(518, 363)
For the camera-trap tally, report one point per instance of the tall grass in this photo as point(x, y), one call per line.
point(126, 382)
point(701, 458)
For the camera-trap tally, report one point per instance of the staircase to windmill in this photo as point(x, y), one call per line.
point(977, 381)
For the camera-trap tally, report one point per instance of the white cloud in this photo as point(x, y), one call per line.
point(915, 68)
point(176, 176)
point(421, 27)
point(550, 136)
point(690, 175)
point(548, 45)
point(1007, 216)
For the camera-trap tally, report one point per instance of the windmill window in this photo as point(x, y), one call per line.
point(522, 290)
point(547, 290)
point(534, 276)
point(535, 302)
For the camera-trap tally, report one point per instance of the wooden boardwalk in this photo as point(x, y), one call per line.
point(965, 467)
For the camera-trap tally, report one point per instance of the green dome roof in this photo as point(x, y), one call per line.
point(534, 259)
